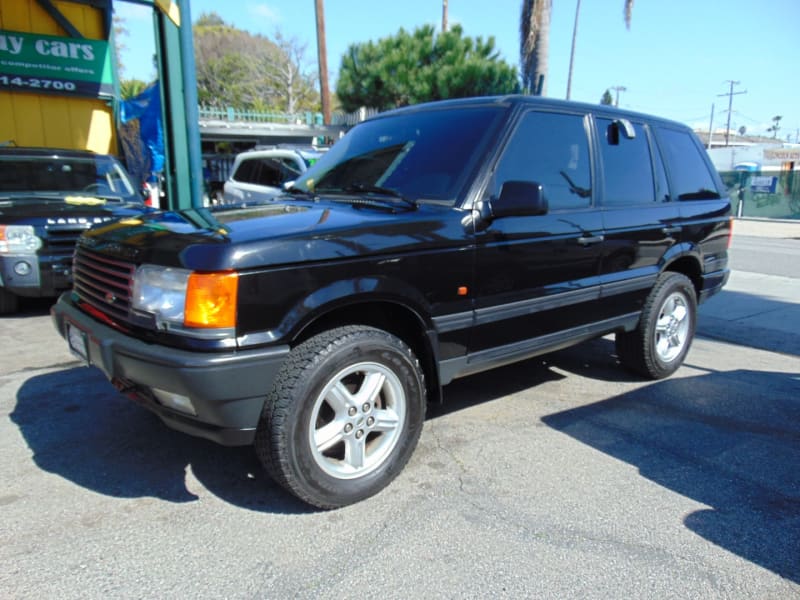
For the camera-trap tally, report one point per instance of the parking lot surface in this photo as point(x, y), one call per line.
point(560, 477)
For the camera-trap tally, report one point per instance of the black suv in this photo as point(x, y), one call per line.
point(429, 243)
point(48, 198)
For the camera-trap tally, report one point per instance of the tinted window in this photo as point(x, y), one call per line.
point(269, 172)
point(426, 155)
point(627, 166)
point(553, 150)
point(246, 173)
point(291, 170)
point(691, 179)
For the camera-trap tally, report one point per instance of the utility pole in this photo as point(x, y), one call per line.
point(711, 127)
point(444, 16)
point(572, 52)
point(322, 57)
point(730, 96)
point(618, 89)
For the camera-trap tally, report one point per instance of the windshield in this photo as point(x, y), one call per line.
point(426, 155)
point(98, 176)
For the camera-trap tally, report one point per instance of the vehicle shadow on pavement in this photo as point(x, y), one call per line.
point(729, 440)
point(78, 427)
point(32, 307)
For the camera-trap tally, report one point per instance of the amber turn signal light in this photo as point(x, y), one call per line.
point(211, 300)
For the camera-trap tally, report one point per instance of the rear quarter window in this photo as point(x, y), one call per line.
point(690, 177)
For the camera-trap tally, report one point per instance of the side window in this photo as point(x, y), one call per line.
point(553, 150)
point(291, 170)
point(269, 173)
point(627, 165)
point(246, 172)
point(691, 179)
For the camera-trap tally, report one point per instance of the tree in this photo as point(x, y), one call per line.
point(607, 98)
point(535, 41)
point(250, 72)
point(535, 45)
point(409, 68)
point(775, 126)
point(130, 88)
point(290, 75)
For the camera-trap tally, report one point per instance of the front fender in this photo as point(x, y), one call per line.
point(338, 295)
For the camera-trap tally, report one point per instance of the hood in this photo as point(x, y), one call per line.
point(277, 233)
point(17, 210)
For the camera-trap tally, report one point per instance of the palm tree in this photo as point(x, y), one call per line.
point(534, 44)
point(322, 57)
point(535, 39)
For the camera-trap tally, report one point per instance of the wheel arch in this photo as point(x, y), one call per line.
point(390, 315)
point(686, 259)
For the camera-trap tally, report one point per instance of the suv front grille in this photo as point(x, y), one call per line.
point(61, 240)
point(104, 283)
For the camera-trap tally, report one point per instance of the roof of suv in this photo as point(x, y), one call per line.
point(533, 101)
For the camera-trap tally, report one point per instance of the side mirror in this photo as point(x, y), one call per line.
point(519, 199)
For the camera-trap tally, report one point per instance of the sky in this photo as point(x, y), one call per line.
point(676, 61)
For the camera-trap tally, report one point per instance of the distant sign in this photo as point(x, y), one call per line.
point(763, 185)
point(782, 153)
point(55, 65)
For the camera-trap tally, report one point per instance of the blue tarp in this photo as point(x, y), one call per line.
point(146, 107)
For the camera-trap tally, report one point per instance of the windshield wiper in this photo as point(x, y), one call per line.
point(367, 188)
point(298, 192)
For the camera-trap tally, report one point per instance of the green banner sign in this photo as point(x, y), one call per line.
point(48, 64)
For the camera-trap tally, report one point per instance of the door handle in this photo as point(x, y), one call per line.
point(669, 230)
point(588, 240)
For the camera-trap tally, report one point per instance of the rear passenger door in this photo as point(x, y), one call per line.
point(640, 220)
point(537, 276)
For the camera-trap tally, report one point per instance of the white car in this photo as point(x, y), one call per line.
point(259, 175)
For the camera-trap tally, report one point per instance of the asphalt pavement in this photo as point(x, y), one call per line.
point(757, 309)
point(559, 477)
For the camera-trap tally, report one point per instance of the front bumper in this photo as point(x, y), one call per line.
point(227, 389)
point(47, 276)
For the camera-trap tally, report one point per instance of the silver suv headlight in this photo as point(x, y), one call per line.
point(19, 239)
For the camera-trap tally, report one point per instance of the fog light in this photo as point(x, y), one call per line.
point(175, 401)
point(22, 268)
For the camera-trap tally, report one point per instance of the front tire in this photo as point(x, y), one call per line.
point(658, 346)
point(343, 417)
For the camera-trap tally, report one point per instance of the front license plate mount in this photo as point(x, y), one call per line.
point(76, 338)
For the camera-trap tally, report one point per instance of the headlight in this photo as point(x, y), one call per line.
point(19, 239)
point(184, 298)
point(160, 291)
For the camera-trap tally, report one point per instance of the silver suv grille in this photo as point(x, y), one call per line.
point(103, 282)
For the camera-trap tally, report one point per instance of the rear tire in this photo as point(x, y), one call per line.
point(658, 346)
point(9, 303)
point(343, 417)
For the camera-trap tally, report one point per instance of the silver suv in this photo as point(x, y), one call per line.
point(261, 174)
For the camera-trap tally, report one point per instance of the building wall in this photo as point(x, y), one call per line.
point(30, 119)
